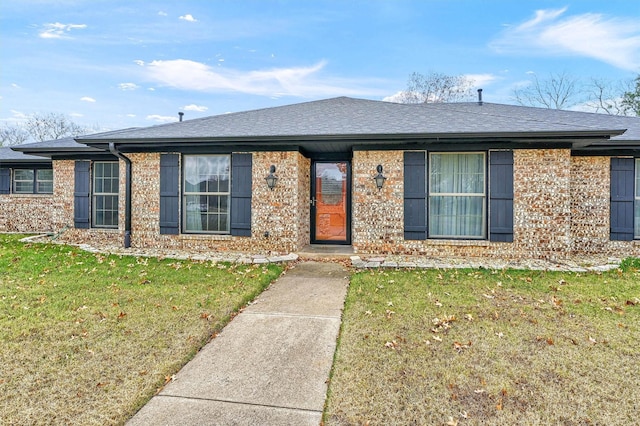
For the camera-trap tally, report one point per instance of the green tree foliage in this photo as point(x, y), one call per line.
point(631, 99)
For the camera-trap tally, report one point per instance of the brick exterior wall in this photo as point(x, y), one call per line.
point(590, 203)
point(26, 213)
point(561, 209)
point(282, 213)
point(63, 189)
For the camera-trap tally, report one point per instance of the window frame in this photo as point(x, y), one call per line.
point(34, 180)
point(185, 194)
point(95, 195)
point(484, 195)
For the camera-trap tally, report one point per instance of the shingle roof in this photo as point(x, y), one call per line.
point(7, 155)
point(54, 146)
point(359, 118)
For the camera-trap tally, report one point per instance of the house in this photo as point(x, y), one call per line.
point(26, 192)
point(458, 179)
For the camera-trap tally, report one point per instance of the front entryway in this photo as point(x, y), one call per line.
point(330, 202)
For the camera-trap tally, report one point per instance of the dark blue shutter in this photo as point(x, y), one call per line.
point(622, 197)
point(5, 181)
point(169, 194)
point(415, 207)
point(501, 196)
point(81, 193)
point(241, 194)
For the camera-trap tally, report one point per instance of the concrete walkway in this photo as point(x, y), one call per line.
point(269, 366)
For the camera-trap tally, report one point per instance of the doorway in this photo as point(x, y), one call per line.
point(331, 202)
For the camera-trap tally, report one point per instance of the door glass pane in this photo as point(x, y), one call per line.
point(331, 201)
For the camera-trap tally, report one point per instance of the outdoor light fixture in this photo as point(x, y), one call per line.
point(271, 178)
point(379, 178)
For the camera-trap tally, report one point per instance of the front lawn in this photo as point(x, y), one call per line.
point(481, 347)
point(89, 338)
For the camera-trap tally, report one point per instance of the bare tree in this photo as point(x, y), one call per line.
point(50, 126)
point(559, 91)
point(631, 98)
point(436, 87)
point(41, 127)
point(607, 97)
point(13, 135)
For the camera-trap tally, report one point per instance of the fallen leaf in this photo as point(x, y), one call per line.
point(437, 338)
point(452, 422)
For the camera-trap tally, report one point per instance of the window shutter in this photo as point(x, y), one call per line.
point(81, 193)
point(169, 194)
point(501, 196)
point(415, 206)
point(241, 179)
point(622, 197)
point(5, 181)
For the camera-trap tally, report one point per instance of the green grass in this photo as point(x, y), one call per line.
point(89, 338)
point(483, 347)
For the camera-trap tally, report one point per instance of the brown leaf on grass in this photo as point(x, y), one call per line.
point(461, 346)
point(391, 345)
point(389, 313)
point(452, 422)
point(122, 315)
point(205, 316)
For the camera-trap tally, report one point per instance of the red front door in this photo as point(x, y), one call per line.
point(330, 197)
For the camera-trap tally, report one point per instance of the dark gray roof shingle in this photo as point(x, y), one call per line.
point(347, 117)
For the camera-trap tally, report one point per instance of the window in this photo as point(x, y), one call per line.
point(33, 181)
point(206, 196)
point(105, 194)
point(636, 215)
point(457, 195)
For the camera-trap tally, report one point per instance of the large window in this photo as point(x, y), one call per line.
point(636, 215)
point(206, 195)
point(33, 181)
point(457, 195)
point(105, 194)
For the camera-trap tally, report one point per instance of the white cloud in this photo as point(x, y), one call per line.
point(298, 81)
point(162, 13)
point(162, 118)
point(139, 62)
point(15, 86)
point(397, 97)
point(188, 17)
point(58, 30)
point(18, 115)
point(194, 107)
point(480, 80)
point(87, 99)
point(612, 40)
point(76, 115)
point(128, 86)
point(131, 115)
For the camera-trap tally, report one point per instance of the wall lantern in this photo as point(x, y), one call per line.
point(379, 178)
point(271, 179)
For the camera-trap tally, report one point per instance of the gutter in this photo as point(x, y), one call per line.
point(127, 195)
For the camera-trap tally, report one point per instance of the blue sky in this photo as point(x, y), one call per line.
point(117, 64)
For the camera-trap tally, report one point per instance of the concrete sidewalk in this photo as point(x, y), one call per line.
point(269, 366)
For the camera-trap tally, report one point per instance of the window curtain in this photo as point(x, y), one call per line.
point(207, 193)
point(456, 195)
